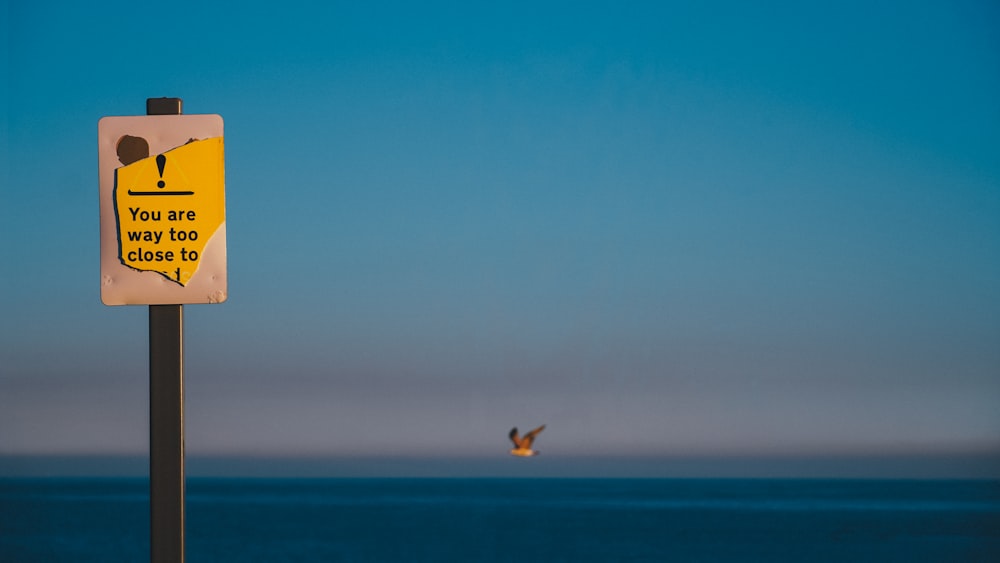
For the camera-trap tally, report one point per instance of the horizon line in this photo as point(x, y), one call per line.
point(979, 465)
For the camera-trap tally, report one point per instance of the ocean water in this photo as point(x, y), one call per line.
point(274, 520)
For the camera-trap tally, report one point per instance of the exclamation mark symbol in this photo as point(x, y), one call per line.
point(161, 162)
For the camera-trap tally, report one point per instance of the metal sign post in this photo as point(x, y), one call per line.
point(166, 433)
point(166, 413)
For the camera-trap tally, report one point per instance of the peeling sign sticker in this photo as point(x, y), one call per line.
point(162, 210)
point(164, 220)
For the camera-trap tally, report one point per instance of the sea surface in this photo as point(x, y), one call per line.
point(521, 519)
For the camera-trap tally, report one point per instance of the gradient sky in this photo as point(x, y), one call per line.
point(661, 229)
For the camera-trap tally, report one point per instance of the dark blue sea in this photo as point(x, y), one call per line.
point(393, 519)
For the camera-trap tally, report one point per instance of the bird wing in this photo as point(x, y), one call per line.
point(514, 438)
point(530, 436)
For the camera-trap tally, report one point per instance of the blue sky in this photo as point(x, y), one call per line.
point(661, 229)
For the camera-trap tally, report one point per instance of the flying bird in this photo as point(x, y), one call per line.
point(522, 446)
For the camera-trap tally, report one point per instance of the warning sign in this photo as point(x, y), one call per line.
point(162, 210)
point(163, 222)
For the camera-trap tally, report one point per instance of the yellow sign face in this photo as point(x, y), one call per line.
point(168, 206)
point(163, 210)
